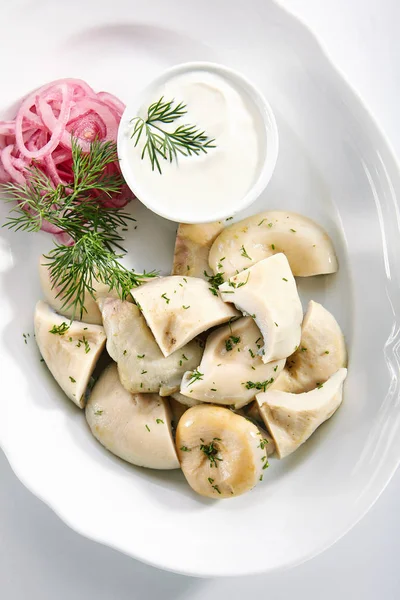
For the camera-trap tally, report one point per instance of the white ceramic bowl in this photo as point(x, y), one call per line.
point(198, 212)
point(335, 166)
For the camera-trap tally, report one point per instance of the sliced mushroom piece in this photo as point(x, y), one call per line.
point(192, 247)
point(177, 309)
point(92, 313)
point(70, 350)
point(221, 454)
point(292, 418)
point(231, 372)
point(321, 352)
point(141, 365)
point(267, 292)
point(306, 244)
point(135, 427)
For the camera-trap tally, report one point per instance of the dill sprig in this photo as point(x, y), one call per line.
point(186, 140)
point(75, 269)
point(75, 209)
point(71, 208)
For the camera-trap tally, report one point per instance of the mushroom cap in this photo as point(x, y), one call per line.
point(72, 356)
point(177, 309)
point(192, 247)
point(321, 352)
point(135, 427)
point(231, 369)
point(221, 453)
point(92, 314)
point(141, 364)
point(306, 244)
point(292, 418)
point(267, 291)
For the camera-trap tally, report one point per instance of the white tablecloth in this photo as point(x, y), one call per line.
point(41, 559)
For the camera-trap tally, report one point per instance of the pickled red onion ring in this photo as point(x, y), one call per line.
point(40, 136)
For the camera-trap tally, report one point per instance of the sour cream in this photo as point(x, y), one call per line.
point(215, 184)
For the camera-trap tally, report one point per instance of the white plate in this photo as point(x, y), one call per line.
point(335, 166)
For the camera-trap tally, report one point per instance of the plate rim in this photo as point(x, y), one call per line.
point(17, 466)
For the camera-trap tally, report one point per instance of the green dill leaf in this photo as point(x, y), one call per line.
point(211, 451)
point(196, 376)
point(258, 385)
point(162, 144)
point(59, 329)
point(244, 253)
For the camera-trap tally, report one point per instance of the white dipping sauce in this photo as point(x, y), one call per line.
point(203, 185)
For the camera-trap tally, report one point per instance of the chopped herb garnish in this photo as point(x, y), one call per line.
point(72, 379)
point(185, 307)
point(188, 267)
point(124, 352)
point(85, 343)
point(293, 230)
point(229, 219)
point(196, 376)
point(143, 372)
point(251, 353)
point(276, 368)
point(42, 360)
point(139, 355)
point(213, 389)
point(185, 280)
point(244, 253)
point(141, 385)
point(258, 385)
point(326, 352)
point(284, 279)
point(147, 427)
point(303, 349)
point(220, 262)
point(211, 480)
point(214, 281)
point(184, 357)
point(211, 451)
point(158, 421)
point(273, 246)
point(320, 385)
point(59, 329)
point(261, 477)
point(263, 443)
point(269, 224)
point(99, 412)
point(261, 222)
point(266, 465)
point(185, 449)
point(276, 324)
point(163, 144)
point(216, 488)
point(167, 300)
point(231, 341)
